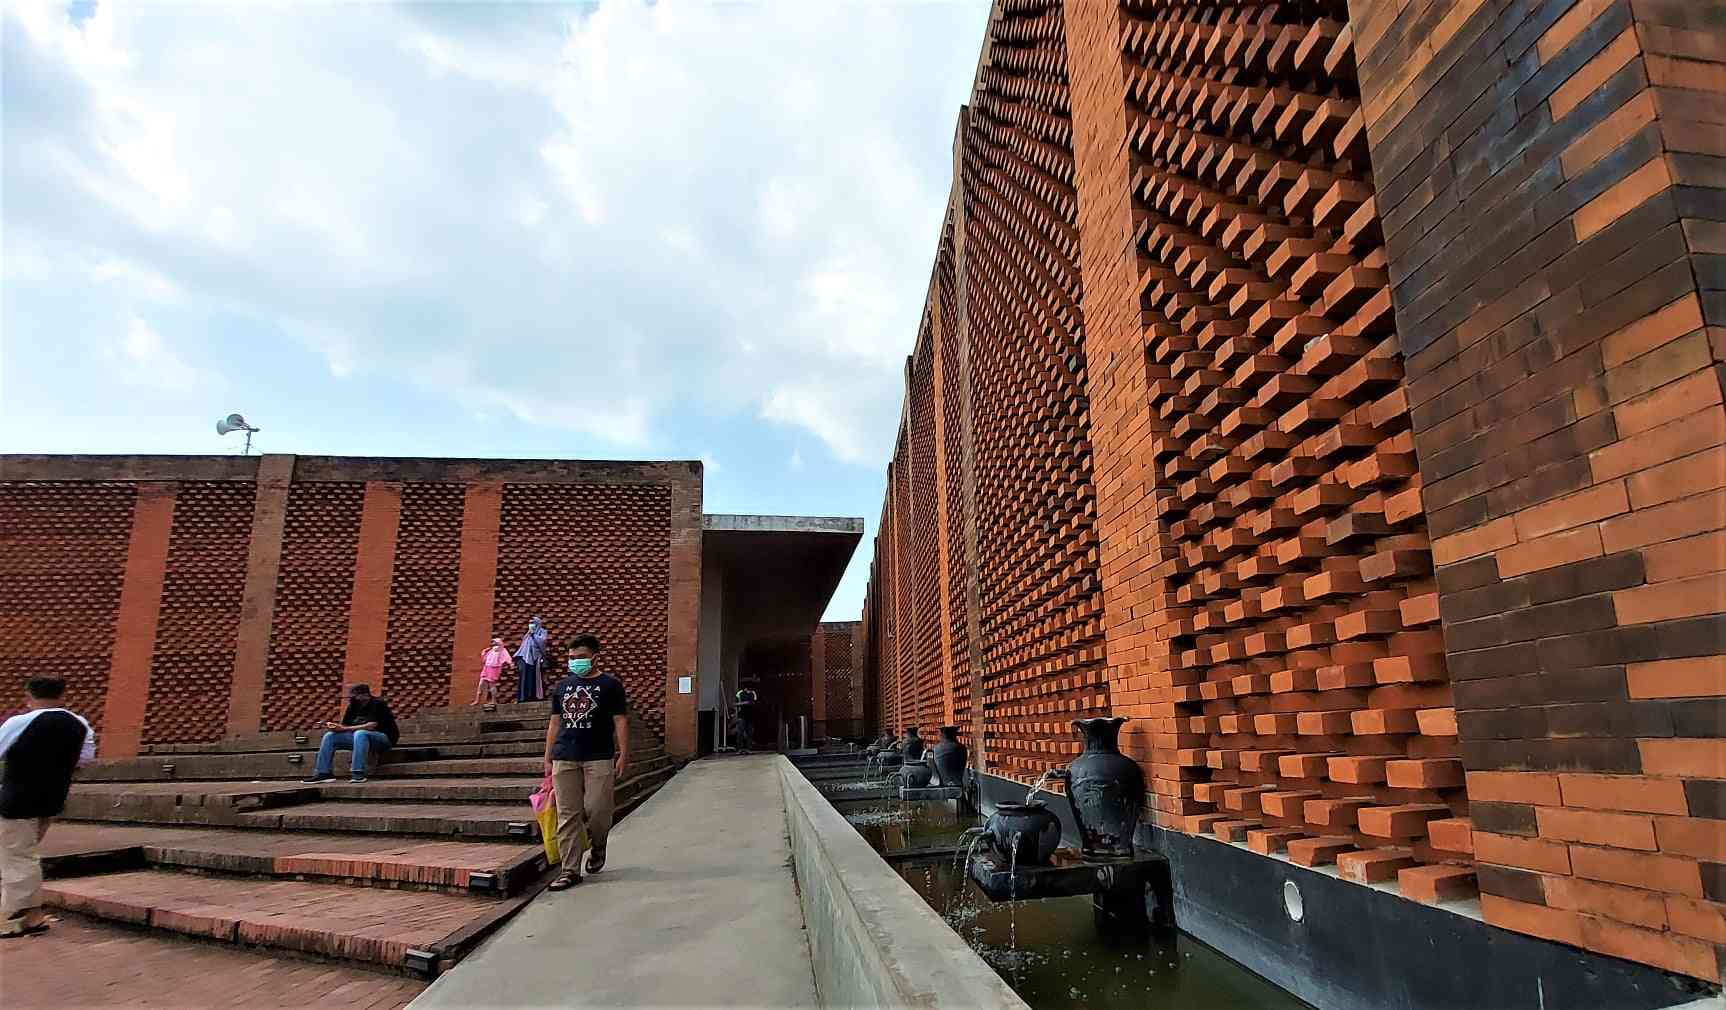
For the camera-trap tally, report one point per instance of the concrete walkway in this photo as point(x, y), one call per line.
point(696, 907)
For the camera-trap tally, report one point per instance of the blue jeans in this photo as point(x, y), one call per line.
point(361, 741)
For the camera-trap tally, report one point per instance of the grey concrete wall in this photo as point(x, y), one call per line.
point(874, 942)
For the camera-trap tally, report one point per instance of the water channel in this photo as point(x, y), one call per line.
point(1049, 950)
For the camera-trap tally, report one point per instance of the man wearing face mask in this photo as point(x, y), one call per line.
point(529, 659)
point(586, 752)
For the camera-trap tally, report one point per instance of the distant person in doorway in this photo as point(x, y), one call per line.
point(587, 752)
point(492, 664)
point(367, 728)
point(743, 710)
point(41, 747)
point(529, 659)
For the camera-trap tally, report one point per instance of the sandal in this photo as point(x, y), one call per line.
point(13, 928)
point(564, 882)
point(596, 860)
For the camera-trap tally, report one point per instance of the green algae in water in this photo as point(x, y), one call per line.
point(1051, 953)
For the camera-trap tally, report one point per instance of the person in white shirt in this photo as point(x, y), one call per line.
point(41, 748)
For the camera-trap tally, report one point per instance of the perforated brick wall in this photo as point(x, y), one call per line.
point(192, 666)
point(422, 616)
point(63, 552)
point(314, 590)
point(590, 558)
point(187, 602)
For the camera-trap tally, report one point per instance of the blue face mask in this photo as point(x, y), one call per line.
point(580, 667)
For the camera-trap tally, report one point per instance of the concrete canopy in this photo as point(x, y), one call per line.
point(764, 579)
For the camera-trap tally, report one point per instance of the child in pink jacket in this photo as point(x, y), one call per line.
point(495, 659)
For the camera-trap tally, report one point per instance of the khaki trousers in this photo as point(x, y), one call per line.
point(584, 803)
point(20, 864)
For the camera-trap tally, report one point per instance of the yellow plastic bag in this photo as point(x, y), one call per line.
point(548, 832)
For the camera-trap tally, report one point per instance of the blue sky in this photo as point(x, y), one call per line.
point(611, 231)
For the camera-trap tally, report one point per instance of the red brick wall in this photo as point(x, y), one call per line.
point(1397, 454)
point(417, 663)
point(314, 593)
point(590, 558)
point(221, 606)
point(1550, 179)
point(63, 549)
point(192, 663)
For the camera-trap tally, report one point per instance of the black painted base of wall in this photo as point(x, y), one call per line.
point(1359, 948)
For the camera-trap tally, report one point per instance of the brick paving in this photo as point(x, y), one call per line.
point(85, 964)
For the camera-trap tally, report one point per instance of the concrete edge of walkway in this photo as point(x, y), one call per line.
point(873, 940)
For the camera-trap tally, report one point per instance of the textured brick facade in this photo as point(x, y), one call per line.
point(1340, 399)
point(188, 598)
point(1551, 187)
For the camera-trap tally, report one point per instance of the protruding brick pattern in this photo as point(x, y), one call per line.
point(1267, 567)
point(63, 548)
point(192, 669)
point(927, 673)
point(418, 662)
point(314, 589)
point(1040, 602)
point(842, 678)
point(1550, 184)
point(591, 557)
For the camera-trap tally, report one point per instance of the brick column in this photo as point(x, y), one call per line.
point(476, 585)
point(258, 604)
point(1550, 186)
point(135, 623)
point(374, 570)
point(682, 711)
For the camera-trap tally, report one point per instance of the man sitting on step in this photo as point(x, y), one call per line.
point(367, 727)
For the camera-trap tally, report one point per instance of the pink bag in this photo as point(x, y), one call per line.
point(545, 797)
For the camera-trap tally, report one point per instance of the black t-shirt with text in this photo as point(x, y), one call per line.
point(373, 709)
point(584, 707)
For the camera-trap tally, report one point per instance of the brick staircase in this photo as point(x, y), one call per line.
point(406, 872)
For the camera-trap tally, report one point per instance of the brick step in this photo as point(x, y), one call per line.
point(411, 736)
point(376, 926)
point(497, 766)
point(469, 820)
point(493, 868)
point(419, 817)
point(518, 757)
point(507, 710)
point(499, 789)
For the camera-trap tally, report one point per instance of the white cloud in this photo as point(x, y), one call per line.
point(145, 360)
point(136, 279)
point(679, 213)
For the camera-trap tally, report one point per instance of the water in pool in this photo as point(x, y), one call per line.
point(1053, 955)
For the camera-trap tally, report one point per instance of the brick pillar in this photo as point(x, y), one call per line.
point(476, 585)
point(135, 623)
point(374, 570)
point(258, 604)
point(1550, 186)
point(682, 711)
